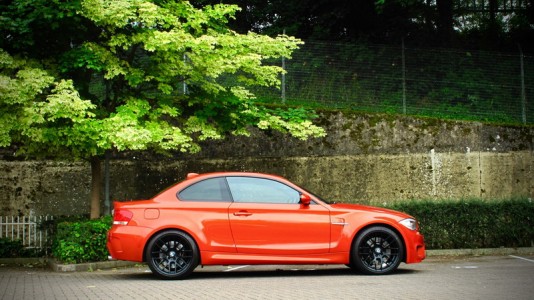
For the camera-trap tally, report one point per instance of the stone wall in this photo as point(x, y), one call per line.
point(364, 158)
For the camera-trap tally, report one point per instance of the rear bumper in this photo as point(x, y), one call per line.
point(127, 242)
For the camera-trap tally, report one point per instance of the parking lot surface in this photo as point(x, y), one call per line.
point(487, 277)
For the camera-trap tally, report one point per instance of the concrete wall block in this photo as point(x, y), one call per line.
point(364, 158)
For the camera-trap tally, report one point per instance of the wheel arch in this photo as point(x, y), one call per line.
point(147, 241)
point(389, 226)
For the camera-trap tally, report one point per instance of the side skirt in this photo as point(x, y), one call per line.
point(217, 258)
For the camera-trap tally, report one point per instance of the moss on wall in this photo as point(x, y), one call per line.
point(364, 158)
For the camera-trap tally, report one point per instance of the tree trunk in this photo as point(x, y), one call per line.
point(96, 186)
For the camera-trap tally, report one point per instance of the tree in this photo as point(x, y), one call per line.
point(486, 24)
point(120, 85)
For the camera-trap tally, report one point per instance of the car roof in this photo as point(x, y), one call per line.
point(231, 173)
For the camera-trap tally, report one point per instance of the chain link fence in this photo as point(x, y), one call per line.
point(444, 83)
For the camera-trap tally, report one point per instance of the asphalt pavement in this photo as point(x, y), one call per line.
point(438, 277)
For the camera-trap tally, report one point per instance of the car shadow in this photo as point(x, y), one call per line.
point(200, 274)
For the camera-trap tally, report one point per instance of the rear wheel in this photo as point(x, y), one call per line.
point(377, 250)
point(172, 255)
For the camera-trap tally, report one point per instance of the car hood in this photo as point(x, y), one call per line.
point(358, 207)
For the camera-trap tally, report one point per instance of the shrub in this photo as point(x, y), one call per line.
point(50, 227)
point(473, 223)
point(81, 241)
point(14, 248)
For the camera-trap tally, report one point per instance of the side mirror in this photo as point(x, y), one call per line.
point(305, 199)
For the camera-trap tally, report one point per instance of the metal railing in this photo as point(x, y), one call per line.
point(27, 229)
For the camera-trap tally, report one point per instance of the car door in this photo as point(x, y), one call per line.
point(267, 218)
point(204, 207)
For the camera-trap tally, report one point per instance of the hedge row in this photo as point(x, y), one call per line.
point(445, 224)
point(474, 223)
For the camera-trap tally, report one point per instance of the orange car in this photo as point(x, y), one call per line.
point(251, 218)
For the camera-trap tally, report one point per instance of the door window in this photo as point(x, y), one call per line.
point(259, 190)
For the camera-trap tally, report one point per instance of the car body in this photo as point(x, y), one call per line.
point(235, 218)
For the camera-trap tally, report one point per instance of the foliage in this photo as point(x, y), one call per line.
point(131, 96)
point(14, 248)
point(37, 109)
point(473, 223)
point(458, 24)
point(81, 241)
point(133, 75)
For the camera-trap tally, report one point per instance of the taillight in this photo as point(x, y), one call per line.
point(122, 217)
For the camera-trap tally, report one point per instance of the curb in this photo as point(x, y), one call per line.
point(21, 261)
point(481, 252)
point(59, 267)
point(93, 266)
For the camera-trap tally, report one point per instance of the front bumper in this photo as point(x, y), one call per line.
point(416, 249)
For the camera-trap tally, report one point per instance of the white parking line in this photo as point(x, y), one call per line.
point(236, 268)
point(519, 257)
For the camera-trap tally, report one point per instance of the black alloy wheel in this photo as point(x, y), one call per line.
point(172, 255)
point(378, 250)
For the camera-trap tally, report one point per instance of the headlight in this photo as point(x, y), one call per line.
point(409, 223)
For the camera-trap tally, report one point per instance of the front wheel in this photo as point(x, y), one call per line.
point(172, 255)
point(377, 250)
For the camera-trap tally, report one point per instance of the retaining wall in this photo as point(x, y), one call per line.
point(364, 158)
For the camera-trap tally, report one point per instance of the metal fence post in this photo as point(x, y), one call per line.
point(283, 80)
point(107, 200)
point(283, 83)
point(403, 79)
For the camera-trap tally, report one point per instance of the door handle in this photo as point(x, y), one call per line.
point(242, 213)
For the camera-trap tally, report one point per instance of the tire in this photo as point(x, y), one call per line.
point(172, 255)
point(377, 250)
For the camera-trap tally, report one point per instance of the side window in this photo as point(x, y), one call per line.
point(258, 190)
point(213, 190)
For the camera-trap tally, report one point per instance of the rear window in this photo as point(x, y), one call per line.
point(211, 190)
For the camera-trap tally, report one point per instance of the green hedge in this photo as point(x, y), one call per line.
point(446, 225)
point(473, 223)
point(81, 241)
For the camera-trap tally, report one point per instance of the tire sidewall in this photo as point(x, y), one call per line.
point(356, 260)
point(182, 236)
